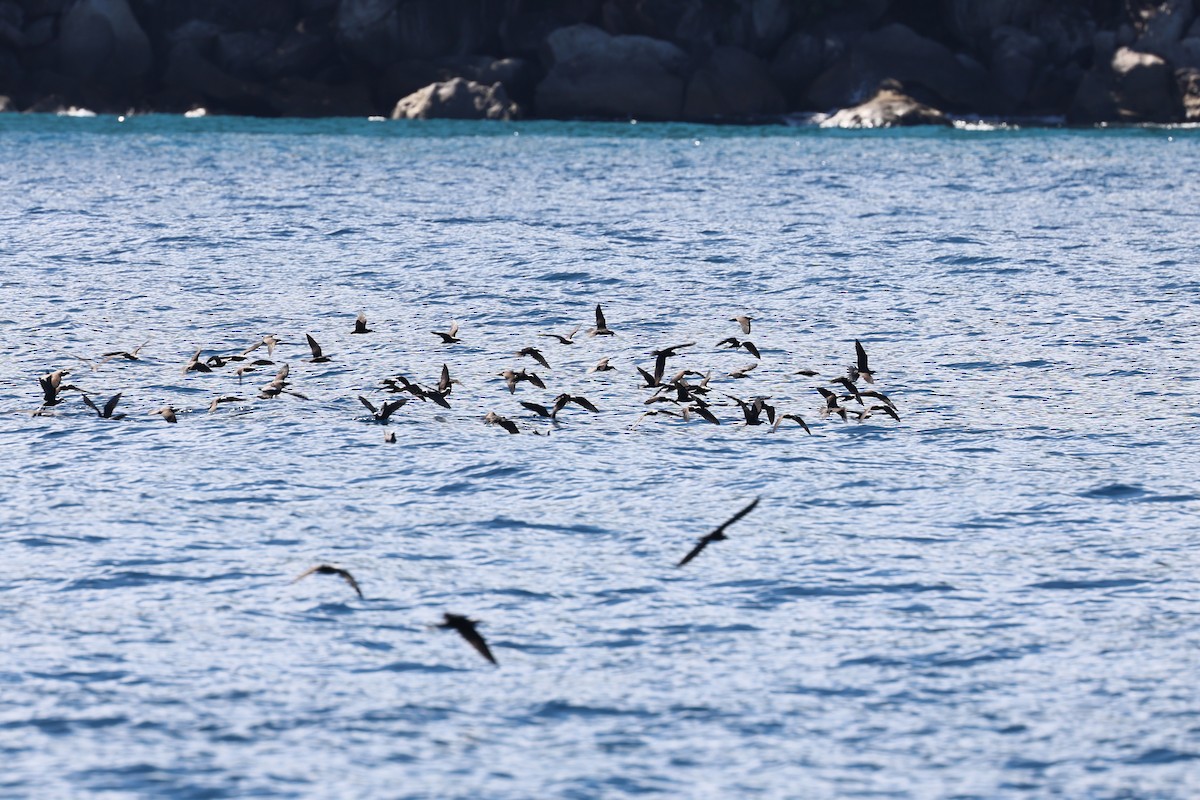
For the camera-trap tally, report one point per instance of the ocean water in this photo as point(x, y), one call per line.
point(995, 596)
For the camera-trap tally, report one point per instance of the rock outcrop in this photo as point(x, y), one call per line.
point(593, 74)
point(1092, 60)
point(457, 99)
point(890, 107)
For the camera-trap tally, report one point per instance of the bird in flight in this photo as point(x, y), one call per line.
point(109, 407)
point(450, 336)
point(567, 339)
point(745, 344)
point(860, 367)
point(601, 328)
point(744, 321)
point(718, 535)
point(360, 324)
point(325, 569)
point(465, 627)
point(382, 415)
point(317, 356)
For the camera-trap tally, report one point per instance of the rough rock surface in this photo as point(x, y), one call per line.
point(102, 45)
point(732, 83)
point(1144, 87)
point(889, 108)
point(457, 99)
point(594, 74)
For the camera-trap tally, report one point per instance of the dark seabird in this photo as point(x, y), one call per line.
point(215, 361)
point(381, 415)
point(167, 413)
point(270, 340)
point(702, 411)
point(451, 336)
point(51, 384)
point(753, 410)
point(851, 388)
point(513, 377)
point(492, 418)
point(745, 344)
point(860, 368)
point(317, 356)
point(795, 418)
point(661, 355)
point(389, 437)
point(360, 324)
point(744, 371)
point(868, 411)
point(808, 373)
point(403, 384)
point(719, 534)
point(445, 384)
point(878, 396)
point(744, 321)
point(563, 400)
point(194, 364)
point(538, 409)
point(535, 354)
point(568, 339)
point(325, 569)
point(651, 381)
point(465, 627)
point(601, 328)
point(831, 404)
point(128, 355)
point(216, 401)
point(109, 407)
point(601, 366)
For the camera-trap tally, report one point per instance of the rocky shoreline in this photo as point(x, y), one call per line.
point(865, 63)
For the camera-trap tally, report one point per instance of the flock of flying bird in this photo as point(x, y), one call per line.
point(686, 394)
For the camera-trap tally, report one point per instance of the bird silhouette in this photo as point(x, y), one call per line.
point(465, 627)
point(718, 535)
point(360, 324)
point(326, 569)
point(109, 407)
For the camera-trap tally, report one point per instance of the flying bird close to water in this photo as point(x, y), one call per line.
point(601, 366)
point(870, 410)
point(538, 409)
point(513, 377)
point(326, 569)
point(601, 328)
point(567, 339)
point(450, 336)
point(535, 354)
point(167, 413)
point(360, 324)
point(128, 355)
point(808, 373)
point(317, 356)
point(216, 401)
point(660, 358)
point(270, 340)
point(831, 404)
point(492, 418)
point(194, 364)
point(860, 367)
point(850, 387)
point(109, 407)
point(52, 384)
point(718, 535)
point(795, 418)
point(381, 415)
point(745, 344)
point(465, 627)
point(563, 400)
point(744, 321)
point(744, 371)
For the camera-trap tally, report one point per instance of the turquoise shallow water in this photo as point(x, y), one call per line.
point(996, 596)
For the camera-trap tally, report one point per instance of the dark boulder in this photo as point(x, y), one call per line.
point(593, 74)
point(798, 61)
point(1144, 87)
point(1189, 92)
point(457, 99)
point(1016, 57)
point(890, 107)
point(524, 30)
point(103, 47)
point(731, 83)
point(297, 97)
point(759, 26)
point(972, 22)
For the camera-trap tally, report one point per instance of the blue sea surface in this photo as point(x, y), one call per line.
point(997, 595)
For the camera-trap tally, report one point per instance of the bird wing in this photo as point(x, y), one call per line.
point(650, 379)
point(538, 357)
point(736, 517)
point(312, 345)
point(744, 322)
point(348, 578)
point(306, 573)
point(111, 405)
point(535, 380)
point(444, 380)
point(695, 551)
point(803, 424)
point(360, 323)
point(537, 408)
point(367, 403)
point(88, 401)
point(600, 323)
point(390, 408)
point(584, 402)
point(453, 328)
point(732, 341)
point(468, 632)
point(751, 349)
point(862, 357)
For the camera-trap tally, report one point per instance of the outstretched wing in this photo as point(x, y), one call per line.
point(600, 323)
point(367, 403)
point(390, 408)
point(312, 345)
point(473, 637)
point(695, 551)
point(751, 349)
point(88, 401)
point(736, 517)
point(348, 578)
point(862, 357)
point(111, 405)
